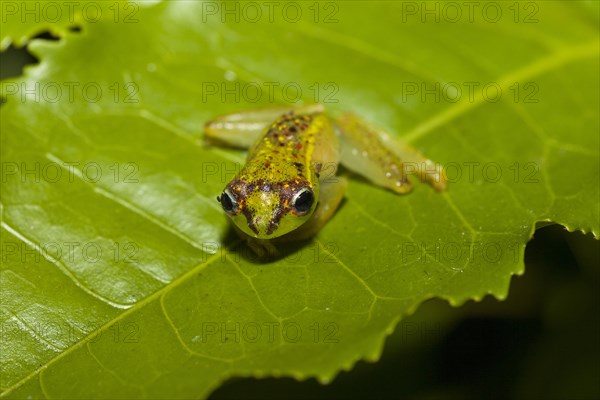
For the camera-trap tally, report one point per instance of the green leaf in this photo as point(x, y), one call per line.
point(22, 21)
point(120, 277)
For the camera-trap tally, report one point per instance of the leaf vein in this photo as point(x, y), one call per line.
point(61, 267)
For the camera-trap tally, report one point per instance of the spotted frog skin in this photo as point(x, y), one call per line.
point(288, 188)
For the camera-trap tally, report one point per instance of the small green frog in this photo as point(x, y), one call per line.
point(288, 189)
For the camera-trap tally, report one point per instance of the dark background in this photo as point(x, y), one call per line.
point(543, 342)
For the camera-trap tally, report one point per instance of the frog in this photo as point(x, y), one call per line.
point(289, 187)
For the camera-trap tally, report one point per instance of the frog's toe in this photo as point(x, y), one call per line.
point(264, 249)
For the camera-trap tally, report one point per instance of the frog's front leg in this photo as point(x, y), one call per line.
point(372, 153)
point(263, 248)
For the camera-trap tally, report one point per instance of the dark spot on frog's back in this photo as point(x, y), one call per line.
point(293, 123)
point(299, 167)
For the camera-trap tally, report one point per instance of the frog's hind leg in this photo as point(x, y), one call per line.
point(331, 195)
point(242, 129)
point(372, 153)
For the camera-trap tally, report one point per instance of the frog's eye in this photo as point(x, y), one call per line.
point(227, 202)
point(303, 201)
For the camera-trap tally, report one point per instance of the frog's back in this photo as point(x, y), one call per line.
point(294, 147)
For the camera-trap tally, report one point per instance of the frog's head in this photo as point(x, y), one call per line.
point(265, 210)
